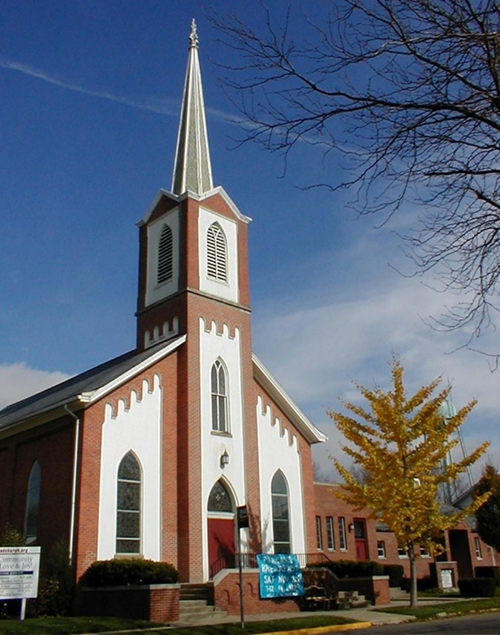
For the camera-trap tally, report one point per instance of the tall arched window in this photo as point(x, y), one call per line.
point(281, 520)
point(219, 398)
point(165, 255)
point(216, 253)
point(32, 504)
point(128, 513)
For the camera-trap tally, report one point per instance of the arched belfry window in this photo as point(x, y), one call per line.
point(128, 512)
point(216, 253)
point(281, 519)
point(220, 499)
point(219, 398)
point(32, 504)
point(165, 255)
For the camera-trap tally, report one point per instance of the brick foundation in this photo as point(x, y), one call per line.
point(227, 595)
point(155, 602)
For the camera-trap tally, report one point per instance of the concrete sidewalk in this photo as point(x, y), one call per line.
point(363, 617)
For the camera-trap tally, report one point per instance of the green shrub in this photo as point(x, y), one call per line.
point(488, 572)
point(126, 572)
point(56, 590)
point(354, 569)
point(477, 587)
point(395, 573)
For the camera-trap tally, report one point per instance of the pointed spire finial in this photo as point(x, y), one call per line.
point(193, 36)
point(192, 168)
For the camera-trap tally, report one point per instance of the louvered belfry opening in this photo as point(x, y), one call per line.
point(165, 255)
point(216, 253)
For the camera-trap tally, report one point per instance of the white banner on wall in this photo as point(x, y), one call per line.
point(19, 567)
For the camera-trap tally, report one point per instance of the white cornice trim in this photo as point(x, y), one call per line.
point(94, 395)
point(219, 190)
point(153, 205)
point(222, 192)
point(285, 403)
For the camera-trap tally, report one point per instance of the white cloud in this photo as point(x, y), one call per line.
point(18, 381)
point(346, 323)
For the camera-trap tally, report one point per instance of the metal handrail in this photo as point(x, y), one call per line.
point(249, 561)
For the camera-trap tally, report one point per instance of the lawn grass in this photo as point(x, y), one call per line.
point(460, 607)
point(79, 625)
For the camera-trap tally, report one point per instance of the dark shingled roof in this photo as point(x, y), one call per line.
point(69, 390)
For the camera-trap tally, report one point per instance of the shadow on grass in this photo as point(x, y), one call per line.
point(78, 625)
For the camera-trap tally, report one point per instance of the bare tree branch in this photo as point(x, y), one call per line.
point(407, 92)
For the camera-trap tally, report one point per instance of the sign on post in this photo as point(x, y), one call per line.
point(19, 568)
point(280, 576)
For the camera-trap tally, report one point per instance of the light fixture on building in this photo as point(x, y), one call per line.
point(351, 527)
point(224, 459)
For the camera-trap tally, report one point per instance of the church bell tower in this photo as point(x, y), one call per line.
point(193, 281)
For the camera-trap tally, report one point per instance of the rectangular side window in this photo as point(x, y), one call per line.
point(319, 537)
point(381, 548)
point(330, 538)
point(342, 536)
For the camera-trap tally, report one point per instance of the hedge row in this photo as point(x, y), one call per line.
point(127, 572)
point(477, 587)
point(488, 572)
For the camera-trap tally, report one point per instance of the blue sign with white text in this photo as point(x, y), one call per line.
point(280, 576)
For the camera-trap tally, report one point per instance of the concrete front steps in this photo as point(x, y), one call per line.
point(196, 605)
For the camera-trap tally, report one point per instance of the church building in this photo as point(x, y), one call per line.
point(152, 453)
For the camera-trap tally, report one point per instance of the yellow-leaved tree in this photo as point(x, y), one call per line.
point(402, 443)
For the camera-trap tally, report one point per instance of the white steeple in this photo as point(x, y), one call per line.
point(192, 169)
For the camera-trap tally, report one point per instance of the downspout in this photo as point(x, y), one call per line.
point(74, 486)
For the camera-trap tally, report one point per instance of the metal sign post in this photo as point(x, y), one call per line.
point(242, 521)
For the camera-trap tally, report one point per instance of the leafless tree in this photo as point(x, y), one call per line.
point(407, 92)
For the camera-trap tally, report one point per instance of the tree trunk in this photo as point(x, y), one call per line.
point(413, 577)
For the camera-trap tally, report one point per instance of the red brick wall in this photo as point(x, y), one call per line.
point(90, 462)
point(227, 596)
point(156, 603)
point(327, 504)
point(52, 445)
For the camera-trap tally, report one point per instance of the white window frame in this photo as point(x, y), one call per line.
point(216, 253)
point(136, 539)
point(219, 398)
point(330, 535)
point(381, 552)
point(342, 534)
point(477, 547)
point(319, 534)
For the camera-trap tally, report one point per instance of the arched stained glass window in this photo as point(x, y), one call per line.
point(216, 253)
point(220, 499)
point(32, 504)
point(219, 398)
point(128, 513)
point(165, 255)
point(281, 520)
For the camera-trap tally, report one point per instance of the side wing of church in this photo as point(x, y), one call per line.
point(152, 453)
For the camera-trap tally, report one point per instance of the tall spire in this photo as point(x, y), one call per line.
point(192, 169)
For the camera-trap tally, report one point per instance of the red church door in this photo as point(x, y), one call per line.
point(220, 544)
point(360, 538)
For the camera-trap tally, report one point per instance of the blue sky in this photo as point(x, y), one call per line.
point(89, 103)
